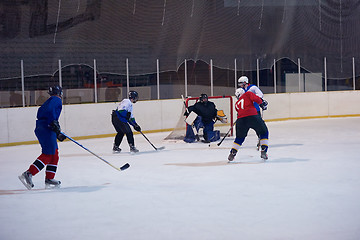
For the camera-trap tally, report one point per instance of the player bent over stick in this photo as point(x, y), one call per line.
point(248, 118)
point(121, 118)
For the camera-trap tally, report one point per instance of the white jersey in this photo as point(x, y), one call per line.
point(255, 89)
point(126, 105)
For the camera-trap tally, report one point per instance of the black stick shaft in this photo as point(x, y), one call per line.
point(226, 134)
point(148, 140)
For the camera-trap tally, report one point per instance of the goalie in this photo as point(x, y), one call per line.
point(203, 114)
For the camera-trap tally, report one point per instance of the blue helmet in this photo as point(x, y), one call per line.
point(134, 96)
point(55, 90)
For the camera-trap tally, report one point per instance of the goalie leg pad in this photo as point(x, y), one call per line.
point(213, 136)
point(198, 123)
point(190, 136)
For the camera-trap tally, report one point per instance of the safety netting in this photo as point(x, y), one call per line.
point(254, 32)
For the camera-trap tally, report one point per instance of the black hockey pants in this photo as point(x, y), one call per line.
point(122, 128)
point(254, 122)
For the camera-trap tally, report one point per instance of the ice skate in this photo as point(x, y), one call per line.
point(232, 154)
point(26, 179)
point(116, 149)
point(197, 137)
point(133, 149)
point(52, 183)
point(264, 155)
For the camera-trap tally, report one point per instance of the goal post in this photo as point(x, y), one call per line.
point(224, 103)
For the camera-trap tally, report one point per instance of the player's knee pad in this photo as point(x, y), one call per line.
point(213, 136)
point(239, 141)
point(264, 135)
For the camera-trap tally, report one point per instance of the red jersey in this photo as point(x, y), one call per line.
point(245, 105)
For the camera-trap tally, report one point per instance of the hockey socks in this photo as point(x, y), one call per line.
point(50, 161)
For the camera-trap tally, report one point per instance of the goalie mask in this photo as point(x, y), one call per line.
point(134, 96)
point(203, 98)
point(239, 92)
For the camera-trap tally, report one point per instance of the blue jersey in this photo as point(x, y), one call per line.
point(47, 113)
point(50, 110)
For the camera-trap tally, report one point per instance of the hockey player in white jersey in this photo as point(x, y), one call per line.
point(243, 82)
point(121, 118)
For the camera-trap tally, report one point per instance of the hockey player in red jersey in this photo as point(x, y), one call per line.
point(243, 82)
point(47, 131)
point(247, 117)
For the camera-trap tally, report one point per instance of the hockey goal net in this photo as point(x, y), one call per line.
point(224, 103)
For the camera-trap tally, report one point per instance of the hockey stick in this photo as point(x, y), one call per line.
point(192, 125)
point(160, 148)
point(122, 168)
point(226, 134)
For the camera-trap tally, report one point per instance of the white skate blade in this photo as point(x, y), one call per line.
point(22, 179)
point(246, 162)
point(51, 186)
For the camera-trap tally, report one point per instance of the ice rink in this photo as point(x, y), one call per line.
point(308, 189)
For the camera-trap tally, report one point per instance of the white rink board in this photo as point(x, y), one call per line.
point(17, 124)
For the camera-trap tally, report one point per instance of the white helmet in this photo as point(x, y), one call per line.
point(243, 79)
point(239, 92)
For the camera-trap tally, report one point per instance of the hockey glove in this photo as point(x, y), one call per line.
point(61, 137)
point(55, 126)
point(263, 105)
point(128, 115)
point(137, 128)
point(221, 116)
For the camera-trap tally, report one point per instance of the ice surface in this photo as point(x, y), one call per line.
point(308, 189)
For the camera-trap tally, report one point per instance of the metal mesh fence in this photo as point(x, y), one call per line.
point(323, 34)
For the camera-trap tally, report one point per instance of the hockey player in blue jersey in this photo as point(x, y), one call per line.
point(243, 82)
point(121, 118)
point(47, 132)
